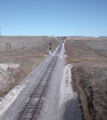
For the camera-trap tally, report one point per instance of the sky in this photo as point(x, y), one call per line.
point(48, 17)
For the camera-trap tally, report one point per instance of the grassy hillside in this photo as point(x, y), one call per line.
point(89, 56)
point(25, 51)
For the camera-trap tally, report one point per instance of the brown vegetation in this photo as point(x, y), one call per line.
point(89, 74)
point(27, 51)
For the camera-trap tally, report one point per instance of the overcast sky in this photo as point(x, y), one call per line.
point(59, 17)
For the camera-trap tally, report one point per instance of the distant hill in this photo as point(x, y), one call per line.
point(102, 36)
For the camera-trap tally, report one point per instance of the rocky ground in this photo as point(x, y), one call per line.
point(89, 74)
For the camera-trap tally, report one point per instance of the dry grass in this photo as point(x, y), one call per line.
point(89, 74)
point(34, 50)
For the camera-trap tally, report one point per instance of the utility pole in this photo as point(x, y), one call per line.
point(8, 49)
point(8, 53)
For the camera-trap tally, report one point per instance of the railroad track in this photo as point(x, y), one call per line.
point(34, 105)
